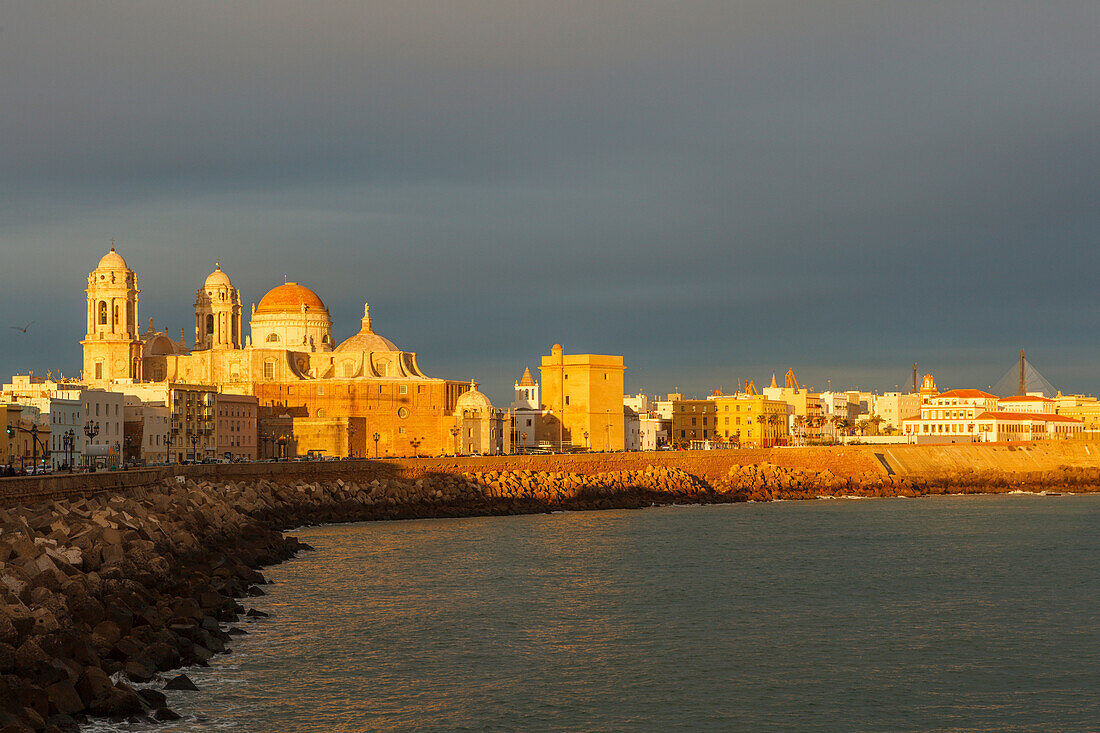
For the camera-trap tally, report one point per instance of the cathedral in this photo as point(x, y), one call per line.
point(362, 397)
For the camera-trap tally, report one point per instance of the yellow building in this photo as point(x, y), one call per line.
point(1086, 410)
point(312, 395)
point(583, 394)
point(692, 420)
point(751, 420)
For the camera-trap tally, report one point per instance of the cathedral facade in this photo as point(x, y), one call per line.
point(362, 397)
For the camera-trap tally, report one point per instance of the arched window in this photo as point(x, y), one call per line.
point(115, 322)
point(321, 412)
point(103, 313)
point(324, 339)
point(209, 324)
point(272, 337)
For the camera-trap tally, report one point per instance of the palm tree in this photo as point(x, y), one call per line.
point(876, 421)
point(775, 420)
point(800, 427)
point(762, 419)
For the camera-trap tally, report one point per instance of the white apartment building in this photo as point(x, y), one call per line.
point(951, 414)
point(893, 407)
point(104, 416)
point(147, 431)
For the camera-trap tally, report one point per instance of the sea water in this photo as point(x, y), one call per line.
point(961, 613)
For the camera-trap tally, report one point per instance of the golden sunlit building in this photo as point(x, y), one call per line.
point(751, 420)
point(360, 397)
point(583, 394)
point(692, 420)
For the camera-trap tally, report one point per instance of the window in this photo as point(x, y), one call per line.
point(103, 313)
point(567, 399)
point(320, 389)
point(321, 412)
point(403, 389)
point(272, 337)
point(401, 430)
point(98, 375)
point(402, 412)
point(269, 369)
point(209, 324)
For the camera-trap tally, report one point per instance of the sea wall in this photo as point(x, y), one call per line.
point(919, 463)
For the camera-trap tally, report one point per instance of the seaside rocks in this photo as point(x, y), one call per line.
point(181, 682)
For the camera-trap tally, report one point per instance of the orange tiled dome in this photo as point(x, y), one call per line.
point(289, 298)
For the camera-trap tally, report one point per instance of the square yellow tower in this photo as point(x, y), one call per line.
point(584, 394)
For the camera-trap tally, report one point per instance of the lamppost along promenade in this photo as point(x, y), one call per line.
point(68, 441)
point(91, 429)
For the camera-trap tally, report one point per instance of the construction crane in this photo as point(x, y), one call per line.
point(750, 388)
point(789, 381)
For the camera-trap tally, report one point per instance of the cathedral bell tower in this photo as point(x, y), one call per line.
point(112, 349)
point(217, 313)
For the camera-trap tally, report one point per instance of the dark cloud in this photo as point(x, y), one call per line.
point(715, 190)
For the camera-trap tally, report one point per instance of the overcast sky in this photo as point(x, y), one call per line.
point(714, 190)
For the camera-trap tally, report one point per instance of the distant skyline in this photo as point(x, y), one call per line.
point(716, 191)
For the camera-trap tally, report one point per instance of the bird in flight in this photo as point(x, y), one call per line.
point(22, 328)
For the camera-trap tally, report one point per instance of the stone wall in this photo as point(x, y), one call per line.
point(920, 463)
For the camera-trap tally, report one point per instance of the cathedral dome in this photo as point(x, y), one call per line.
point(473, 399)
point(112, 261)
point(289, 298)
point(366, 339)
point(218, 279)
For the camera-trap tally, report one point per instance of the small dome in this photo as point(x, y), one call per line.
point(218, 279)
point(289, 298)
point(366, 342)
point(366, 339)
point(473, 400)
point(112, 261)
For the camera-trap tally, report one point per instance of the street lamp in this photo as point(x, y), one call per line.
point(68, 441)
point(607, 445)
point(455, 430)
point(91, 429)
point(194, 445)
point(587, 446)
point(377, 437)
point(641, 440)
point(167, 446)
